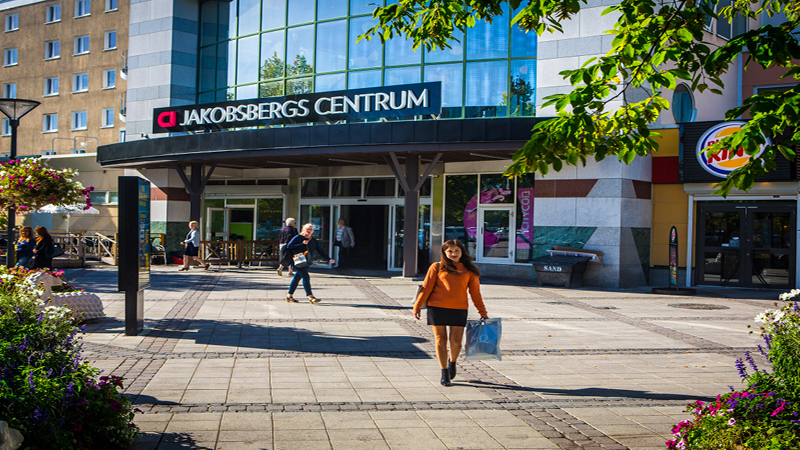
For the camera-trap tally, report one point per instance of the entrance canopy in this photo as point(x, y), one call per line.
point(327, 145)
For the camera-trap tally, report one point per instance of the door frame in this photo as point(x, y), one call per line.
point(746, 208)
point(226, 226)
point(512, 233)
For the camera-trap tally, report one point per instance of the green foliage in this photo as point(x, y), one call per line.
point(274, 67)
point(46, 390)
point(655, 45)
point(766, 415)
point(30, 182)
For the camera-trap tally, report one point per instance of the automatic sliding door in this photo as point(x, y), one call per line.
point(320, 216)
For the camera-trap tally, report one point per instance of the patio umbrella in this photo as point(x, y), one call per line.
point(67, 211)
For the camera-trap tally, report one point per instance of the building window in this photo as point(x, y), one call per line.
point(6, 127)
point(49, 123)
point(52, 49)
point(109, 78)
point(82, 8)
point(122, 135)
point(12, 22)
point(110, 40)
point(111, 5)
point(104, 197)
point(81, 45)
point(10, 57)
point(79, 120)
point(10, 90)
point(108, 117)
point(53, 14)
point(683, 109)
point(80, 82)
point(51, 86)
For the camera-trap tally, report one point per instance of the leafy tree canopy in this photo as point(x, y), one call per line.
point(656, 44)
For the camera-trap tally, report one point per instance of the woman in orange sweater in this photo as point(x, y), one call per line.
point(446, 286)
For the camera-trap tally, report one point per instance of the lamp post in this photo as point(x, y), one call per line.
point(14, 109)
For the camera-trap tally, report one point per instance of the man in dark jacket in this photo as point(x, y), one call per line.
point(284, 236)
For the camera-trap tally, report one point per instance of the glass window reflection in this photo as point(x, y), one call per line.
point(273, 64)
point(331, 46)
point(297, 86)
point(495, 188)
point(230, 30)
point(525, 196)
point(247, 60)
point(331, 9)
point(486, 41)
point(452, 82)
point(300, 50)
point(364, 79)
point(363, 54)
point(208, 64)
point(358, 7)
point(208, 32)
point(301, 11)
point(523, 87)
point(274, 14)
point(399, 52)
point(401, 75)
point(461, 210)
point(249, 9)
point(486, 93)
point(246, 92)
point(271, 89)
point(523, 45)
point(332, 82)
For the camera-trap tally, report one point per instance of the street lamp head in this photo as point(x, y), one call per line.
point(14, 108)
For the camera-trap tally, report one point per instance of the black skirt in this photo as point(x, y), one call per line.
point(447, 317)
point(190, 249)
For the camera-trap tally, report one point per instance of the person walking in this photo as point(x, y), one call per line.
point(304, 242)
point(192, 244)
point(284, 236)
point(445, 288)
point(25, 246)
point(44, 244)
point(345, 240)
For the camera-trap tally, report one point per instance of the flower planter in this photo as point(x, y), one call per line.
point(85, 305)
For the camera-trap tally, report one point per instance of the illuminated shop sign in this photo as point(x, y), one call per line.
point(722, 164)
point(371, 103)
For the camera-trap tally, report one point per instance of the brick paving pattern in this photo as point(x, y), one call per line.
point(226, 363)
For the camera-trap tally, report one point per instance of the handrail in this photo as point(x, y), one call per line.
point(107, 247)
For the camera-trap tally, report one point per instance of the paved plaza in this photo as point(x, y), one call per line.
point(226, 363)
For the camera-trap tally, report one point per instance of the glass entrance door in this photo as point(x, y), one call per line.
point(746, 244)
point(397, 221)
point(217, 224)
point(495, 228)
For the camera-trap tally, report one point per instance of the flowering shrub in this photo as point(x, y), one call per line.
point(766, 415)
point(31, 183)
point(47, 391)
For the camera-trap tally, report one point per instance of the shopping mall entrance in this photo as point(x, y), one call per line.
point(747, 244)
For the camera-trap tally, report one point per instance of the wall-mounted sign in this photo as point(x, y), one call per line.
point(722, 163)
point(370, 103)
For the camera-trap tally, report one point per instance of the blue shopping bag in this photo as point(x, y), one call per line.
point(483, 339)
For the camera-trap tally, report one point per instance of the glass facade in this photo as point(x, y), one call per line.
point(302, 46)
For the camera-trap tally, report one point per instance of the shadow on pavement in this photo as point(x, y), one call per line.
point(151, 441)
point(596, 392)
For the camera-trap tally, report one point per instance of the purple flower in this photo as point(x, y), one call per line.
point(742, 369)
point(750, 360)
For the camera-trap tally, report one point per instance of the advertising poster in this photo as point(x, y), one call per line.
point(144, 234)
point(673, 257)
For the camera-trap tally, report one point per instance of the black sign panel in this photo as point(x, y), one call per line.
point(134, 233)
point(370, 103)
point(694, 172)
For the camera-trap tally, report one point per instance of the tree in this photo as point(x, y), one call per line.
point(655, 44)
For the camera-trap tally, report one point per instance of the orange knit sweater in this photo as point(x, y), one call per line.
point(449, 290)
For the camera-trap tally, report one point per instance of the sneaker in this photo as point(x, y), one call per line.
point(280, 272)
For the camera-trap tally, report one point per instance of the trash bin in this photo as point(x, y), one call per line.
point(564, 271)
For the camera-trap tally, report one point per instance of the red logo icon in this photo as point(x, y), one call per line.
point(167, 119)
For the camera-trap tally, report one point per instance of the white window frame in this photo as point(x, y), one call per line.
point(53, 14)
point(7, 57)
point(107, 40)
point(5, 127)
point(83, 8)
point(78, 48)
point(112, 5)
point(12, 22)
point(10, 90)
point(49, 123)
point(76, 119)
point(109, 78)
point(52, 50)
point(76, 82)
point(108, 118)
point(48, 82)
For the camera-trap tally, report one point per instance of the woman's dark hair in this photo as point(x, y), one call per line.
point(42, 233)
point(465, 258)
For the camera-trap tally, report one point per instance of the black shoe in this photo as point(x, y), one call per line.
point(452, 368)
point(446, 377)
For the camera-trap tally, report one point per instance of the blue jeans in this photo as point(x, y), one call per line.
point(298, 274)
point(24, 261)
